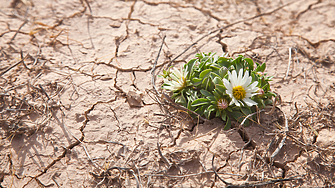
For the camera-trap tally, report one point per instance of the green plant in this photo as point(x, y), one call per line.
point(218, 86)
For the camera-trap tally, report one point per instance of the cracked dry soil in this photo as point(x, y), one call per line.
point(78, 107)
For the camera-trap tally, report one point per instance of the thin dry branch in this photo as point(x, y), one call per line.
point(152, 72)
point(180, 107)
point(216, 174)
point(289, 62)
point(163, 157)
point(14, 65)
point(282, 142)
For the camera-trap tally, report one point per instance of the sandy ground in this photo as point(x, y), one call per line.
point(77, 107)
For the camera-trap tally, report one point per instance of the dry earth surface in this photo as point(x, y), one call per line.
point(78, 108)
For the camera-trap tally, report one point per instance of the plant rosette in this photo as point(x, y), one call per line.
point(218, 86)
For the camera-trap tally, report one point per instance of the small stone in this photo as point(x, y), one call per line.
point(134, 98)
point(115, 24)
point(326, 138)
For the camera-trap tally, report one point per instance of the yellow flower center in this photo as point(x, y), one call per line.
point(239, 92)
point(182, 82)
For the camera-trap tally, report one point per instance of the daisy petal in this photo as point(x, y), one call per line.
point(248, 95)
point(177, 73)
point(227, 84)
point(247, 82)
point(239, 79)
point(249, 102)
point(244, 80)
point(234, 101)
point(233, 78)
point(253, 85)
point(252, 88)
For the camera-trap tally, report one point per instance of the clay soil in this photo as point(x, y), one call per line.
point(78, 107)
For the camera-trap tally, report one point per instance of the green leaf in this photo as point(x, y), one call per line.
point(207, 113)
point(268, 102)
point(212, 99)
point(189, 66)
point(205, 73)
point(254, 76)
point(204, 59)
point(210, 109)
point(205, 83)
point(224, 115)
point(206, 93)
point(246, 111)
point(199, 56)
point(238, 116)
point(192, 93)
point(196, 81)
point(200, 102)
point(218, 94)
point(257, 64)
point(272, 94)
point(165, 74)
point(218, 81)
point(266, 87)
point(215, 67)
point(260, 102)
point(215, 75)
point(221, 89)
point(237, 63)
point(224, 62)
point(261, 68)
point(199, 111)
point(246, 122)
point(176, 94)
point(222, 72)
point(250, 63)
point(218, 113)
point(201, 65)
point(268, 78)
point(181, 100)
point(228, 124)
point(189, 106)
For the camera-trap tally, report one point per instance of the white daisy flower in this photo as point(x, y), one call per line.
point(178, 80)
point(241, 89)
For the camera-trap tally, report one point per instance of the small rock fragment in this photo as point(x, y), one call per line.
point(134, 99)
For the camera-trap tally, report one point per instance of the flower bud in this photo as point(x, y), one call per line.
point(260, 73)
point(260, 92)
point(222, 104)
